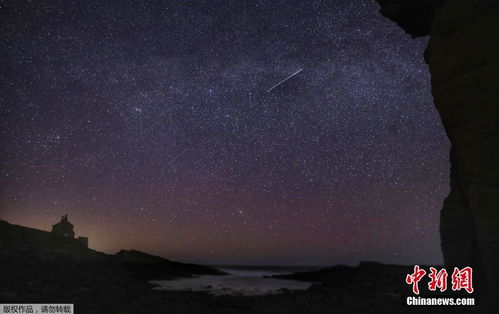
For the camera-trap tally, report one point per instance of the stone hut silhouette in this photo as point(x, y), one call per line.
point(65, 228)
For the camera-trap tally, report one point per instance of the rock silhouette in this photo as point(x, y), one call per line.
point(463, 58)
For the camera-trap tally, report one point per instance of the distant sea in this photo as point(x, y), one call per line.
point(243, 280)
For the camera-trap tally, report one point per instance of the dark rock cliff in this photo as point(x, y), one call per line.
point(463, 58)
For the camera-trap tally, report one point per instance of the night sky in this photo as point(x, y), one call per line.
point(149, 123)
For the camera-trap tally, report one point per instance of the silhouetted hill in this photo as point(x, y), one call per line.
point(21, 245)
point(156, 262)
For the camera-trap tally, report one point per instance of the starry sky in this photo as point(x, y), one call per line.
point(149, 123)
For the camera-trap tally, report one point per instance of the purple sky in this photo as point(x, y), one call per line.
point(149, 123)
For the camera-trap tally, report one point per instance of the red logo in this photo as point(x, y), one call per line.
point(438, 280)
point(414, 278)
point(461, 279)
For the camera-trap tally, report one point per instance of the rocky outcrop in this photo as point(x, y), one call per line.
point(177, 268)
point(463, 57)
point(134, 256)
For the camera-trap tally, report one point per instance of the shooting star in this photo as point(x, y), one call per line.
point(175, 158)
point(284, 80)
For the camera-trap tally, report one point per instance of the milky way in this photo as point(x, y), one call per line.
point(149, 123)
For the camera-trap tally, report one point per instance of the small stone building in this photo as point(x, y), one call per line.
point(64, 228)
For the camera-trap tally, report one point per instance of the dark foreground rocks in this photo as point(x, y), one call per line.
point(124, 288)
point(39, 267)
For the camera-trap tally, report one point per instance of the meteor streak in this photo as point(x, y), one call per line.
point(284, 80)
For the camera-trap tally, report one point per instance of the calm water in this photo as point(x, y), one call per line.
point(239, 281)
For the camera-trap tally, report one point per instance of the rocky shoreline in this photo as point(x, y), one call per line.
point(35, 267)
point(125, 288)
